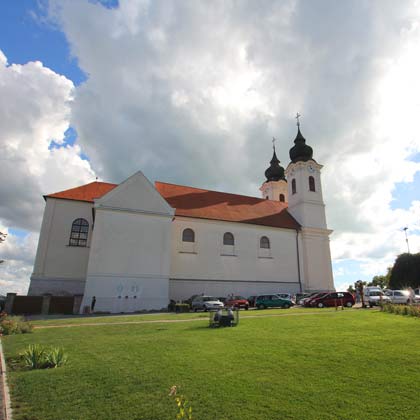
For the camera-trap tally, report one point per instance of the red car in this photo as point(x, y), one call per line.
point(316, 296)
point(333, 299)
point(237, 302)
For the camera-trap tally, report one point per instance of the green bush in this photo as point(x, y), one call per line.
point(34, 357)
point(38, 357)
point(14, 325)
point(56, 357)
point(410, 310)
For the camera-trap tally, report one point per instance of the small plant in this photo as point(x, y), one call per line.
point(38, 357)
point(34, 357)
point(184, 406)
point(410, 310)
point(56, 357)
point(14, 325)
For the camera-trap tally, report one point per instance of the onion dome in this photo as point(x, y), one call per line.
point(275, 172)
point(300, 151)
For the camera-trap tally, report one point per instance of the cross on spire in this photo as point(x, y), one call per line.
point(297, 119)
point(274, 146)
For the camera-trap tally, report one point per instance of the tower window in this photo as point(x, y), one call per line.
point(265, 242)
point(293, 186)
point(228, 239)
point(188, 235)
point(79, 233)
point(281, 198)
point(311, 183)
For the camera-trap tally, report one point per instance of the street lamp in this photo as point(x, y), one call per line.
point(406, 238)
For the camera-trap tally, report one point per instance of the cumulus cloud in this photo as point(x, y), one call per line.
point(192, 92)
point(34, 111)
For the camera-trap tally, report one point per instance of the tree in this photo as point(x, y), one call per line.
point(405, 272)
point(2, 239)
point(381, 281)
point(351, 289)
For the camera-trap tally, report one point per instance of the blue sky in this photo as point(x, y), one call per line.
point(143, 95)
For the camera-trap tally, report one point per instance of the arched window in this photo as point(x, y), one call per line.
point(265, 242)
point(293, 186)
point(79, 233)
point(188, 235)
point(282, 199)
point(228, 239)
point(311, 183)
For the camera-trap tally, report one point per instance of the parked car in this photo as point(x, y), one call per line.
point(305, 297)
point(288, 296)
point(237, 302)
point(206, 303)
point(401, 296)
point(251, 300)
point(272, 301)
point(374, 296)
point(314, 296)
point(333, 299)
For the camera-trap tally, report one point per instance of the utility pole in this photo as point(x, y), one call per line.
point(406, 239)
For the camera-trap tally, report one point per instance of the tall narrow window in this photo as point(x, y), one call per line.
point(79, 233)
point(311, 183)
point(265, 242)
point(188, 235)
point(293, 186)
point(282, 199)
point(228, 239)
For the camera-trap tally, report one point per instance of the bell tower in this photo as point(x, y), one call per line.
point(306, 205)
point(275, 187)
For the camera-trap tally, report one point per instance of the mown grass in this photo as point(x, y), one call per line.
point(95, 319)
point(344, 365)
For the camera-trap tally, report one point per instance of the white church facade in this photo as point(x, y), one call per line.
point(136, 245)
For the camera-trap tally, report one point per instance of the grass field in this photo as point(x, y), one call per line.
point(351, 364)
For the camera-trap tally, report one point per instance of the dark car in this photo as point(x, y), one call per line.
point(333, 299)
point(312, 297)
point(237, 302)
point(272, 301)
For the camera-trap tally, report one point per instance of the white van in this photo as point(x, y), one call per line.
point(374, 296)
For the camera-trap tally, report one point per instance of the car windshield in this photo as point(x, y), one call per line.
point(209, 298)
point(376, 293)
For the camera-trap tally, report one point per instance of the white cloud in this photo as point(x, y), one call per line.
point(192, 93)
point(34, 110)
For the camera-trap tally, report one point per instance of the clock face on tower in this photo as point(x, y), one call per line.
point(311, 168)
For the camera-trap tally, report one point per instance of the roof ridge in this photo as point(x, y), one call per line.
point(214, 191)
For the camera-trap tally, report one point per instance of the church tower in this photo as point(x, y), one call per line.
point(275, 187)
point(307, 206)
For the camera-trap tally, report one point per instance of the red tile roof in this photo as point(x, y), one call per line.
point(86, 192)
point(214, 205)
point(202, 204)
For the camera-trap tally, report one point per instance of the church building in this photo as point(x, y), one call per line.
point(136, 245)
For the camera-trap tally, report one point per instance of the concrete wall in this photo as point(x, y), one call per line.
point(208, 266)
point(60, 268)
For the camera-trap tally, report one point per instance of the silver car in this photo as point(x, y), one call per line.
point(401, 296)
point(206, 303)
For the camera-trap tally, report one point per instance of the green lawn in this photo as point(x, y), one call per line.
point(351, 364)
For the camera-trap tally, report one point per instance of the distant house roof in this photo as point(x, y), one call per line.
point(201, 204)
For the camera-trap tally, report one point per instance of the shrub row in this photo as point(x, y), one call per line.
point(410, 310)
point(38, 357)
point(14, 325)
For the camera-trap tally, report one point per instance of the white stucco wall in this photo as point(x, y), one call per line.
point(60, 268)
point(130, 256)
point(207, 266)
point(317, 260)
